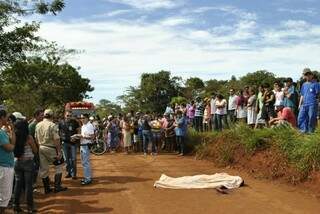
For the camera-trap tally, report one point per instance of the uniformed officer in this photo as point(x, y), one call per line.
point(47, 136)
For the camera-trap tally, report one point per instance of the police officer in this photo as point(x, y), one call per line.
point(47, 136)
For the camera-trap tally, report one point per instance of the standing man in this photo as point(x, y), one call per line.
point(87, 136)
point(147, 134)
point(7, 144)
point(232, 106)
point(47, 136)
point(199, 115)
point(308, 105)
point(68, 127)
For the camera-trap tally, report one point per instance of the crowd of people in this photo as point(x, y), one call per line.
point(264, 106)
point(29, 148)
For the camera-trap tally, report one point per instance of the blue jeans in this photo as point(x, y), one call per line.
point(307, 118)
point(147, 138)
point(218, 120)
point(85, 161)
point(70, 155)
point(24, 173)
point(180, 144)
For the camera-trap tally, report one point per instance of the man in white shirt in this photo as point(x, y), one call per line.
point(87, 136)
point(232, 106)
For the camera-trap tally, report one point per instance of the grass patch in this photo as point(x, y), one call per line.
point(299, 152)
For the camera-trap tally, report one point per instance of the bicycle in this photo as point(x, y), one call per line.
point(99, 146)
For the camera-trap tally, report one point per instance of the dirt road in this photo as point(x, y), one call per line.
point(124, 184)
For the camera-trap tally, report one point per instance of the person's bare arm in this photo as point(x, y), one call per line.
point(271, 98)
point(300, 102)
point(33, 145)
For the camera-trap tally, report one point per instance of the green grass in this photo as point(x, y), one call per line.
point(302, 152)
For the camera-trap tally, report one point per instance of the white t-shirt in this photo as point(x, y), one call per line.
point(86, 131)
point(232, 104)
point(279, 97)
point(221, 111)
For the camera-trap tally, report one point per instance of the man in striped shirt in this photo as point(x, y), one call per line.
point(199, 115)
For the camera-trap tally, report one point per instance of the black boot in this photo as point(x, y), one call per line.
point(46, 185)
point(57, 183)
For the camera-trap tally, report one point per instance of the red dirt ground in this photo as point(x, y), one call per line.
point(124, 184)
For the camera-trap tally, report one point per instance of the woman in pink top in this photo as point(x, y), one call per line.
point(191, 112)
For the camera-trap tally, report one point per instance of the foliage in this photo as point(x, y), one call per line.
point(193, 86)
point(17, 38)
point(36, 82)
point(106, 107)
point(257, 78)
point(154, 92)
point(178, 100)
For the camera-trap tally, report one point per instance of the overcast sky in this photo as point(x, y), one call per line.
point(204, 38)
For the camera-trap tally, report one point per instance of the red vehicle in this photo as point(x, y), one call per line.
point(78, 108)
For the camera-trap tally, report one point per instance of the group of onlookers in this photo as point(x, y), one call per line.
point(29, 148)
point(264, 106)
point(141, 132)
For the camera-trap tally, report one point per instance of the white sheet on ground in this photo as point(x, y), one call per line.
point(199, 181)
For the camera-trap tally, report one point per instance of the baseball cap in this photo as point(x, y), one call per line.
point(18, 116)
point(307, 71)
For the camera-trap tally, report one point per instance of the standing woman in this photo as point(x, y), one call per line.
point(24, 152)
point(251, 106)
point(241, 107)
point(7, 143)
point(126, 132)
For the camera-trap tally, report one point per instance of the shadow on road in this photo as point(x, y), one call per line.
point(65, 205)
point(119, 179)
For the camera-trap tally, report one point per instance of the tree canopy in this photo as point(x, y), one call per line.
point(156, 90)
point(37, 82)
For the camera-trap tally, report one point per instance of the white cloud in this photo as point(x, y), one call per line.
point(112, 13)
point(175, 21)
point(117, 52)
point(150, 4)
point(242, 14)
point(309, 11)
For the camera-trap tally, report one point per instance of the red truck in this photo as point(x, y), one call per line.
point(82, 107)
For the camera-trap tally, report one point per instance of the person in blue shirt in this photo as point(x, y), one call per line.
point(181, 132)
point(7, 144)
point(308, 105)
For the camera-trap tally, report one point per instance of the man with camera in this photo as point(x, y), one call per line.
point(47, 136)
point(67, 128)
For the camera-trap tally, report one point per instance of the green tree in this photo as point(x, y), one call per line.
point(106, 107)
point(154, 92)
point(216, 86)
point(17, 39)
point(178, 100)
point(37, 82)
point(257, 78)
point(194, 86)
